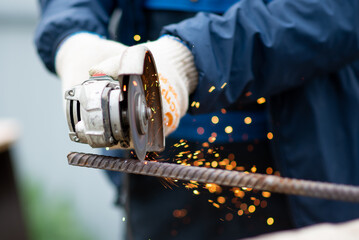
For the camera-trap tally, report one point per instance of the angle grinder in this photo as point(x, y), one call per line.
point(119, 113)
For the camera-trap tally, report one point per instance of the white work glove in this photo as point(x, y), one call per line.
point(78, 53)
point(177, 75)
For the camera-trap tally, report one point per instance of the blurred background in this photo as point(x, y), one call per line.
point(57, 201)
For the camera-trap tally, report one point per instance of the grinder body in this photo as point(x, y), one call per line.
point(120, 113)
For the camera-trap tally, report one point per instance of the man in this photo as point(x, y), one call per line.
point(299, 55)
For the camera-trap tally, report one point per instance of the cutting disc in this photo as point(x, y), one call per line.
point(137, 116)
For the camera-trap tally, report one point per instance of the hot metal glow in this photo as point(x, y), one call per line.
point(270, 136)
point(236, 201)
point(248, 120)
point(137, 37)
point(270, 221)
point(215, 119)
point(228, 129)
point(261, 100)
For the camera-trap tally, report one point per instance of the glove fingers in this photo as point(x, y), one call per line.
point(109, 67)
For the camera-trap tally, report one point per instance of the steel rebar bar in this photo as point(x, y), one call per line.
point(257, 181)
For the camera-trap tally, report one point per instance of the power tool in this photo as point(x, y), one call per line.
point(119, 113)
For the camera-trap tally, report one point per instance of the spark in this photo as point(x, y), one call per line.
point(196, 192)
point(270, 136)
point(205, 144)
point(224, 162)
point(234, 164)
point(168, 183)
point(250, 148)
point(123, 219)
point(197, 152)
point(228, 129)
point(270, 221)
point(253, 169)
point(221, 200)
point(215, 119)
point(239, 193)
point(200, 130)
point(179, 213)
point(247, 94)
point(251, 208)
point(223, 111)
point(229, 167)
point(224, 84)
point(214, 164)
point(211, 89)
point(229, 216)
point(243, 206)
point(134, 83)
point(266, 194)
point(216, 205)
point(248, 120)
point(213, 188)
point(197, 104)
point(137, 37)
point(211, 139)
point(193, 104)
point(269, 170)
point(261, 100)
point(191, 185)
point(240, 168)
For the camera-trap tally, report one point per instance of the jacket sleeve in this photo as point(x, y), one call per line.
point(259, 50)
point(60, 18)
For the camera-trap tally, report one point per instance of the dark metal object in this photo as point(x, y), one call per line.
point(12, 222)
point(218, 176)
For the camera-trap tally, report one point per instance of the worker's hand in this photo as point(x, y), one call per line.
point(177, 74)
point(78, 53)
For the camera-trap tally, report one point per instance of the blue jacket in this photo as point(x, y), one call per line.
point(302, 56)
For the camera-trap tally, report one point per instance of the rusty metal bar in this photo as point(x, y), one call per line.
point(218, 176)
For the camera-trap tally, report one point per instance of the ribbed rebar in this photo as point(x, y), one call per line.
point(218, 176)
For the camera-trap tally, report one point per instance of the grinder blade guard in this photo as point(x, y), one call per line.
point(123, 113)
